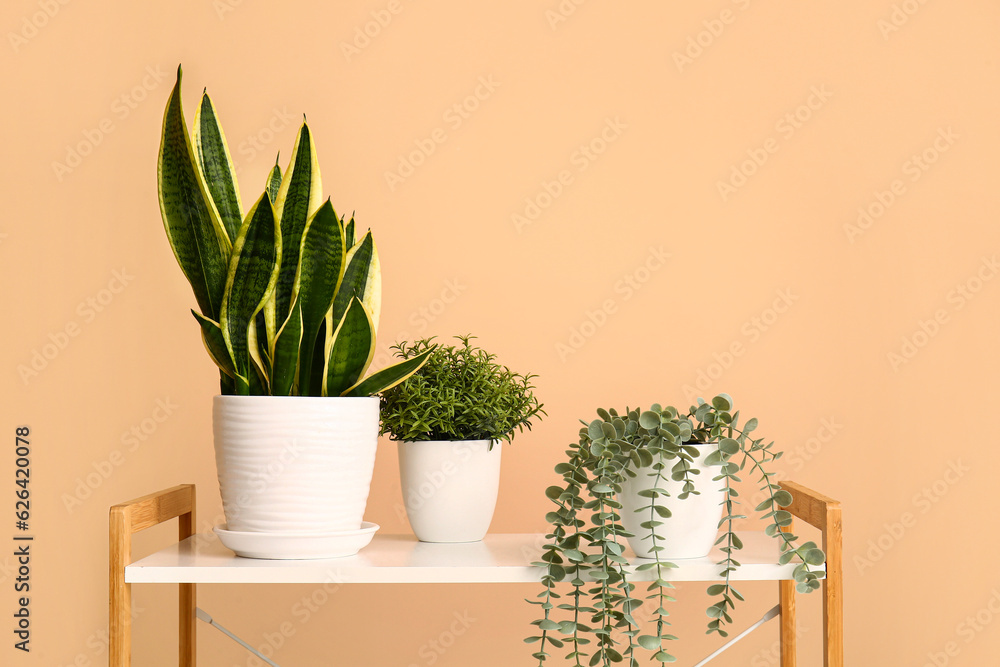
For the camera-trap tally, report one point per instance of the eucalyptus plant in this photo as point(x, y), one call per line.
point(586, 547)
point(289, 298)
point(460, 393)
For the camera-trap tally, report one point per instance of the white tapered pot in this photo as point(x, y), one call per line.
point(450, 488)
point(692, 528)
point(295, 463)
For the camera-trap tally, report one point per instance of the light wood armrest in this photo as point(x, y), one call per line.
point(131, 517)
point(824, 513)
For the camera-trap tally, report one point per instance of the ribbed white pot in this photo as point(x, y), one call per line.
point(692, 528)
point(450, 488)
point(295, 463)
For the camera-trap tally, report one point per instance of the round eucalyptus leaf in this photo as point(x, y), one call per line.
point(723, 402)
point(783, 498)
point(649, 420)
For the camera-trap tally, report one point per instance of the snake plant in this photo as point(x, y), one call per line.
point(289, 299)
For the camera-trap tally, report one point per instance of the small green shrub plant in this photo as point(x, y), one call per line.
point(599, 624)
point(459, 393)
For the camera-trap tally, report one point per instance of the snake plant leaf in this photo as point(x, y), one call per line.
point(253, 271)
point(362, 279)
point(388, 377)
point(321, 268)
point(259, 388)
point(263, 344)
point(192, 222)
point(285, 356)
point(217, 166)
point(351, 349)
point(298, 198)
point(349, 232)
point(215, 343)
point(274, 179)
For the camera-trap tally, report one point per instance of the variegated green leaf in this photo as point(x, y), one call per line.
point(362, 279)
point(257, 377)
point(285, 356)
point(274, 180)
point(352, 347)
point(388, 377)
point(321, 268)
point(215, 343)
point(217, 166)
point(195, 231)
point(298, 198)
point(349, 232)
point(252, 274)
point(263, 344)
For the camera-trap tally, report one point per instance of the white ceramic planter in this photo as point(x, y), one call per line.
point(450, 488)
point(692, 529)
point(295, 464)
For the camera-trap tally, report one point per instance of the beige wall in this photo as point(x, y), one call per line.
point(776, 267)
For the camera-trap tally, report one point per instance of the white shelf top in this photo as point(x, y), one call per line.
point(499, 558)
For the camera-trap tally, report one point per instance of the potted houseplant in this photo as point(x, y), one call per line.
point(288, 307)
point(449, 418)
point(630, 476)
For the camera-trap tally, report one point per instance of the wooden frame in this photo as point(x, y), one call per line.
point(125, 520)
point(179, 502)
point(823, 513)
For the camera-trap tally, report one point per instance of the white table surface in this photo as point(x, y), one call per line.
point(499, 558)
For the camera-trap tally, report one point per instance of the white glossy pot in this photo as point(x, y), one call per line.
point(450, 488)
point(295, 463)
point(692, 528)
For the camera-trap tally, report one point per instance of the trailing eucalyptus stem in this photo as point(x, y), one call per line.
point(586, 545)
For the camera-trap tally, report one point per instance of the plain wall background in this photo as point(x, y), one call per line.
point(891, 83)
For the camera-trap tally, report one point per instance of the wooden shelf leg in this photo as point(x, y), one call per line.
point(187, 623)
point(124, 520)
point(120, 608)
point(833, 590)
point(788, 636)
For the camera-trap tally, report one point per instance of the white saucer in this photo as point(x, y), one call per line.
point(297, 546)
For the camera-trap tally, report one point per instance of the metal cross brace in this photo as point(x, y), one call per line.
point(775, 611)
point(203, 616)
